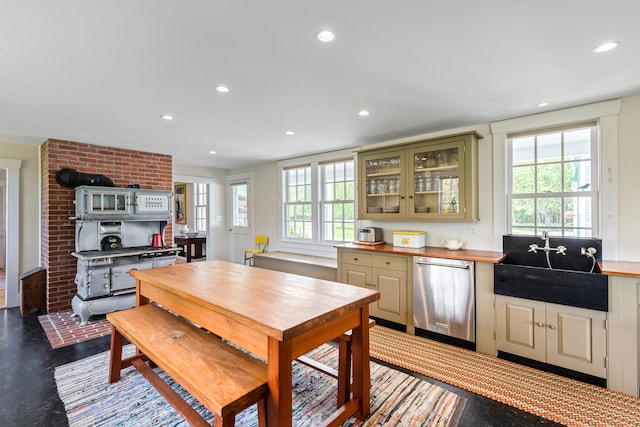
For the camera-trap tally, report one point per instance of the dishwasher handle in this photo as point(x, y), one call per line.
point(438, 264)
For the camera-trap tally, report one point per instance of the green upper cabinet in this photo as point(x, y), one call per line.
point(434, 179)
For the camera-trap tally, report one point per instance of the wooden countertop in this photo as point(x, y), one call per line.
point(620, 268)
point(611, 268)
point(429, 251)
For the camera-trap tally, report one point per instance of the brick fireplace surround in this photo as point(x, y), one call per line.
point(123, 167)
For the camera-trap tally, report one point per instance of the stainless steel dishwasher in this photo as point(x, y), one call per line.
point(444, 300)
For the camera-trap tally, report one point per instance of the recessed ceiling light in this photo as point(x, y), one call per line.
point(606, 47)
point(167, 116)
point(363, 113)
point(326, 36)
point(290, 132)
point(222, 89)
point(212, 152)
point(542, 104)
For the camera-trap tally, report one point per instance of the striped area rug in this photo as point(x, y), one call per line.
point(565, 401)
point(397, 399)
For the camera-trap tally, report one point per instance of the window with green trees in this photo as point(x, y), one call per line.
point(319, 202)
point(337, 201)
point(553, 181)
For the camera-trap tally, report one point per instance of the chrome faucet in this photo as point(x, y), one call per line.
point(545, 237)
point(546, 248)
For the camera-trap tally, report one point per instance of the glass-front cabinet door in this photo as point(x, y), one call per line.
point(382, 184)
point(438, 178)
point(435, 179)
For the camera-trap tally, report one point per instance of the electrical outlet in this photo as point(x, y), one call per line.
point(472, 231)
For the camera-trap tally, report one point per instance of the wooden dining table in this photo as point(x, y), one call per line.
point(276, 316)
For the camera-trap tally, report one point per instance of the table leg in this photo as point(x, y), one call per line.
point(279, 378)
point(188, 251)
point(361, 369)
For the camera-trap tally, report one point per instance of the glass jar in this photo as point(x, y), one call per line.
point(430, 161)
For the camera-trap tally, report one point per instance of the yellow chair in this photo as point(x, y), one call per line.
point(262, 240)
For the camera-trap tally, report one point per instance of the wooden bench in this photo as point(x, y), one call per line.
point(343, 373)
point(224, 379)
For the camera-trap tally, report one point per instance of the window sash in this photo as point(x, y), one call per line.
point(201, 212)
point(566, 208)
point(337, 204)
point(319, 201)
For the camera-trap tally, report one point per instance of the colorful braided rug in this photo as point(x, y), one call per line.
point(397, 399)
point(556, 398)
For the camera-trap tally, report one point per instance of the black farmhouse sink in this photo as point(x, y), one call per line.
point(570, 282)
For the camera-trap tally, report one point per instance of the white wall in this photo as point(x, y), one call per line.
point(629, 180)
point(267, 197)
point(29, 233)
point(486, 234)
point(266, 201)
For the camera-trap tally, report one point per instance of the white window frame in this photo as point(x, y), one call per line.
point(198, 208)
point(606, 115)
point(310, 204)
point(591, 192)
point(323, 221)
point(314, 162)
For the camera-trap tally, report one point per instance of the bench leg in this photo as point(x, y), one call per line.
point(174, 399)
point(115, 361)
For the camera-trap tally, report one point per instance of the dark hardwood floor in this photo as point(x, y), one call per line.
point(28, 394)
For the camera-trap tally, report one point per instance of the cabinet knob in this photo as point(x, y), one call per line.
point(551, 326)
point(355, 259)
point(540, 324)
point(388, 263)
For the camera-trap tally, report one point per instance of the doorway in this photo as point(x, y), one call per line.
point(10, 169)
point(240, 214)
point(199, 214)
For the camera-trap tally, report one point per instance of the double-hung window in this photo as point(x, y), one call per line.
point(200, 205)
point(298, 203)
point(319, 202)
point(553, 181)
point(337, 201)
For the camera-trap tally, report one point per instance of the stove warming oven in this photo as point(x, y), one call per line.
point(114, 228)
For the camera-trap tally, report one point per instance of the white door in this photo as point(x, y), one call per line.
point(239, 201)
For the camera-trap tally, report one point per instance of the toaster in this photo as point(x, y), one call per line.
point(370, 234)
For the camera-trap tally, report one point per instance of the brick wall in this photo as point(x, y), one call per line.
point(123, 167)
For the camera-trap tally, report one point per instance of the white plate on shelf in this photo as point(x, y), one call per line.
point(191, 234)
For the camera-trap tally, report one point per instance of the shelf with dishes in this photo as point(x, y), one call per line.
point(432, 179)
point(444, 168)
point(383, 209)
point(382, 194)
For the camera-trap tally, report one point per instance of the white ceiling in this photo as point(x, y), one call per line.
point(103, 72)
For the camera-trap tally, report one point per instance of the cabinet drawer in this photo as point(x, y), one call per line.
point(389, 262)
point(356, 258)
